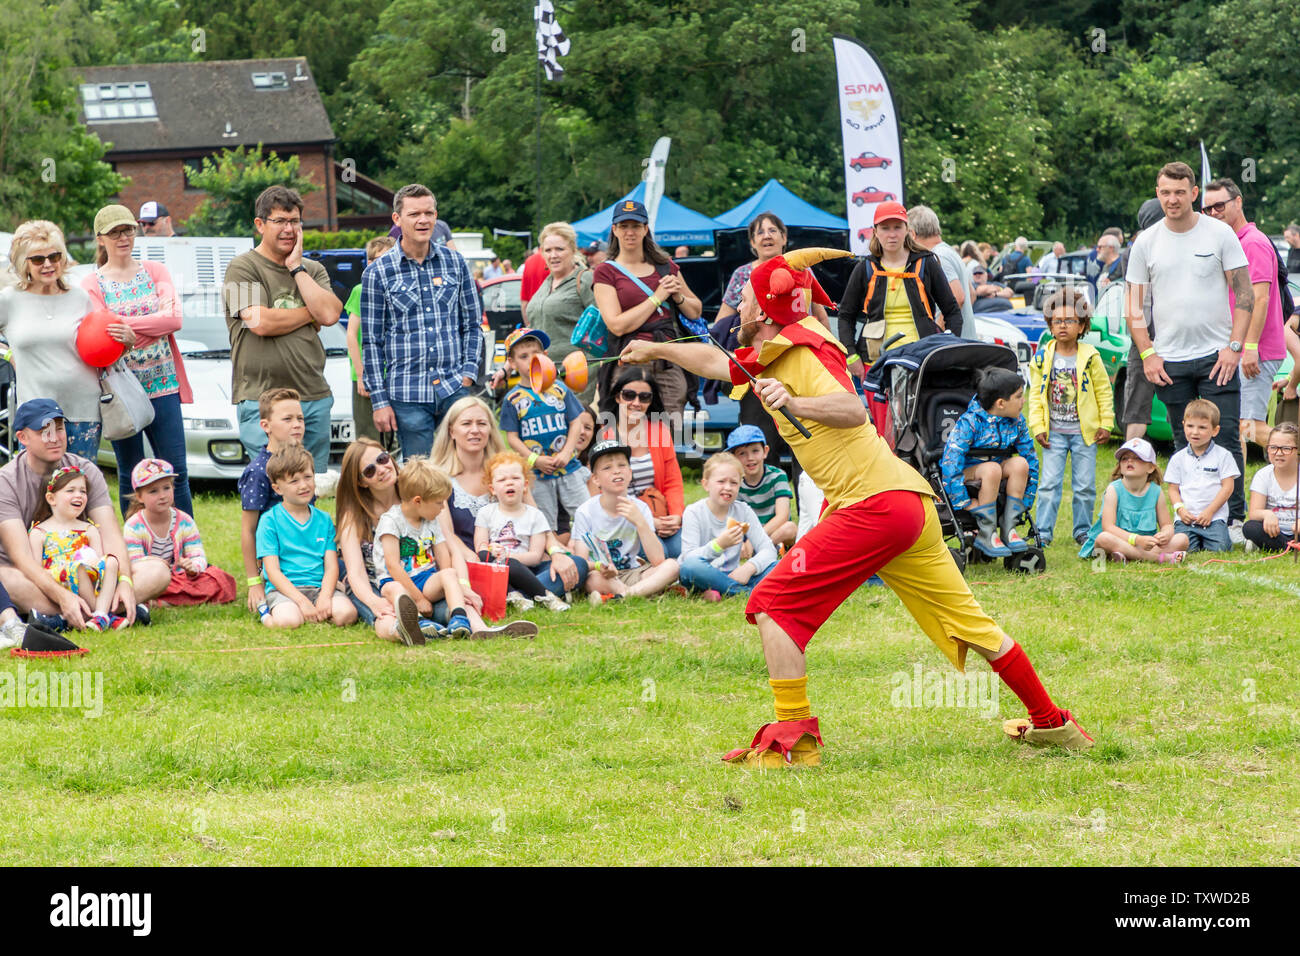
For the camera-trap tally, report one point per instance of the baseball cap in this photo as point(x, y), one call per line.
point(514, 337)
point(1140, 447)
point(596, 246)
point(889, 210)
point(37, 413)
point(110, 217)
point(745, 435)
point(149, 471)
point(153, 210)
point(608, 446)
point(1150, 213)
point(630, 209)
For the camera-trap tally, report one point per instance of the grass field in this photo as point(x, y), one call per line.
point(598, 743)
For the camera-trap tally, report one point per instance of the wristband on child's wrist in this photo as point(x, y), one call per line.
point(254, 582)
point(717, 548)
point(1133, 539)
point(125, 579)
point(532, 459)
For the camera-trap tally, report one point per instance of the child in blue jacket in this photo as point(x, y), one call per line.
point(993, 420)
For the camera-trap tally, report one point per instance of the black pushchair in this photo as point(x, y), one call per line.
point(916, 393)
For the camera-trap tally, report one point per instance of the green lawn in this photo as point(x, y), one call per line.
point(598, 743)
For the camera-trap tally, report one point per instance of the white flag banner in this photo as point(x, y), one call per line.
point(1206, 176)
point(873, 147)
point(551, 41)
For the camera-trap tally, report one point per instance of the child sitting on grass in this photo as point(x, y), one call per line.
point(70, 547)
point(510, 532)
point(415, 567)
point(282, 420)
point(295, 543)
point(1135, 524)
point(993, 420)
point(1270, 521)
point(715, 528)
point(613, 529)
point(1200, 478)
point(155, 530)
point(1071, 412)
point(765, 488)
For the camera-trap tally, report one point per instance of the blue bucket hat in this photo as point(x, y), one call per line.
point(745, 435)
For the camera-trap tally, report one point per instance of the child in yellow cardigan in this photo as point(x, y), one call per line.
point(1070, 411)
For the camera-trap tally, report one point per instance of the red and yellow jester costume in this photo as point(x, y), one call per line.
point(879, 519)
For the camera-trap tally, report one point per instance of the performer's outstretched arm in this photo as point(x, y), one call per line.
point(695, 357)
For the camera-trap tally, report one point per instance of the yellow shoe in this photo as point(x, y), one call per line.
point(1069, 735)
point(788, 743)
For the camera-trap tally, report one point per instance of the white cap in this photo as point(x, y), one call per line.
point(1140, 447)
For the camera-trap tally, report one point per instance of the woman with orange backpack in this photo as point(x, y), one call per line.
point(898, 290)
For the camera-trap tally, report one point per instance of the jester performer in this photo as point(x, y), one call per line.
point(879, 518)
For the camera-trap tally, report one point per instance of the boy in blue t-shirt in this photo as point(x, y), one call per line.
point(544, 429)
point(295, 543)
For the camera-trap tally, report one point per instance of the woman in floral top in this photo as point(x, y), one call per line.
point(142, 293)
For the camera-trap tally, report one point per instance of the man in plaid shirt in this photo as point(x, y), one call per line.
point(421, 339)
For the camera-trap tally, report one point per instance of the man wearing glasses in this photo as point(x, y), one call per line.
point(155, 220)
point(422, 342)
point(1265, 346)
point(1190, 262)
point(276, 303)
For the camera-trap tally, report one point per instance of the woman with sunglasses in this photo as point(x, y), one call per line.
point(656, 476)
point(143, 295)
point(367, 488)
point(39, 318)
point(466, 438)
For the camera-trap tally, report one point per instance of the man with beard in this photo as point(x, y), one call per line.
point(879, 518)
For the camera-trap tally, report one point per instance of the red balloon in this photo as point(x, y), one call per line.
point(95, 346)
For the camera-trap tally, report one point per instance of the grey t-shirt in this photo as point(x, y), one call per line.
point(955, 269)
point(22, 489)
point(293, 360)
point(1189, 291)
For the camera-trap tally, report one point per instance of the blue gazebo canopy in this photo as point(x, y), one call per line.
point(675, 225)
point(775, 198)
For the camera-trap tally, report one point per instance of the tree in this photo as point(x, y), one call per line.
point(233, 179)
point(139, 31)
point(51, 166)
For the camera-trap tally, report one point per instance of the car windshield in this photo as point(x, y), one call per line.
point(204, 334)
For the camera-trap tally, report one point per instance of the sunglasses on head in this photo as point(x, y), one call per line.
point(382, 458)
point(41, 260)
point(632, 395)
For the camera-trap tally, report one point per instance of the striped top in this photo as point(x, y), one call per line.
point(643, 473)
point(182, 536)
point(762, 497)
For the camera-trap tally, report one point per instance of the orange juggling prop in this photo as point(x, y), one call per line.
point(542, 372)
point(95, 346)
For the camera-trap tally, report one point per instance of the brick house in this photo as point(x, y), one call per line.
point(160, 118)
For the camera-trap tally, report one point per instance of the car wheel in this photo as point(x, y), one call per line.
point(858, 200)
point(1117, 391)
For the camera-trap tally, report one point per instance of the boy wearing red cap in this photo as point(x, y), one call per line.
point(879, 519)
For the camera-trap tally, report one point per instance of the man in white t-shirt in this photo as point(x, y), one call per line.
point(1189, 261)
point(925, 227)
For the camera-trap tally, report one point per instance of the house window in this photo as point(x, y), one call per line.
point(270, 81)
point(118, 102)
point(192, 166)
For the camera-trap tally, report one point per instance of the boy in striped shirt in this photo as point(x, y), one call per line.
point(763, 487)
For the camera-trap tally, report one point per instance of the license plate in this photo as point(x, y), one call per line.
point(709, 440)
point(342, 431)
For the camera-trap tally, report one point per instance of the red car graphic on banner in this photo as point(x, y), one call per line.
point(869, 161)
point(863, 196)
point(864, 234)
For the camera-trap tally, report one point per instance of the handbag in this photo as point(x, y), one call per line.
point(654, 499)
point(590, 334)
point(124, 406)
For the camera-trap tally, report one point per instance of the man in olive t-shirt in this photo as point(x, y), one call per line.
point(276, 303)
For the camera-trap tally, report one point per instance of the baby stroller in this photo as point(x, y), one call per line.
point(916, 393)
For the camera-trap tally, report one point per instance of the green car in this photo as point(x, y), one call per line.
point(1109, 335)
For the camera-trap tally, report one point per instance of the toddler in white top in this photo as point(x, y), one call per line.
point(714, 531)
point(512, 532)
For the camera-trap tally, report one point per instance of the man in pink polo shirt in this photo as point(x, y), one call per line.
point(1264, 347)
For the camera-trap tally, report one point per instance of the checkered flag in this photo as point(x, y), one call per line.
point(551, 41)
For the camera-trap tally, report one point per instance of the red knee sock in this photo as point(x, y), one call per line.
point(1018, 674)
